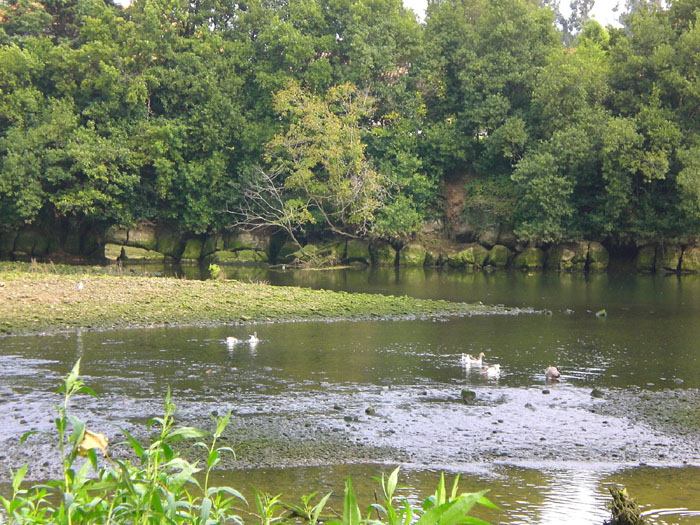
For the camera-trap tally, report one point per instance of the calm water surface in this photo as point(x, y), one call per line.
point(517, 442)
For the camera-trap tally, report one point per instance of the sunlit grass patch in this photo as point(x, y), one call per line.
point(39, 298)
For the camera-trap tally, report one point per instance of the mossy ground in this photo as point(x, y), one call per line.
point(37, 298)
point(674, 411)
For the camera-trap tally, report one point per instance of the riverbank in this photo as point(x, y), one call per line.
point(37, 298)
point(621, 429)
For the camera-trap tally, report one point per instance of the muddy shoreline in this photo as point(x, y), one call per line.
point(624, 428)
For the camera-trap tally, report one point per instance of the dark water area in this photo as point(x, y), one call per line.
point(650, 336)
point(547, 457)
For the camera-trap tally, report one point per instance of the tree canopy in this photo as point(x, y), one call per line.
point(353, 115)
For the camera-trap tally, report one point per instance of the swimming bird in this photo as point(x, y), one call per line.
point(493, 371)
point(551, 373)
point(253, 339)
point(468, 360)
point(232, 341)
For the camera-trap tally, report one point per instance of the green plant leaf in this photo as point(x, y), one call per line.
point(78, 429)
point(167, 451)
point(258, 502)
point(93, 458)
point(455, 486)
point(26, 435)
point(408, 513)
point(172, 507)
point(213, 458)
point(18, 477)
point(316, 510)
point(86, 390)
point(73, 375)
point(105, 486)
point(135, 445)
point(391, 483)
point(487, 502)
point(205, 509)
point(187, 433)
point(452, 511)
point(68, 499)
point(185, 474)
point(126, 476)
point(222, 423)
point(227, 490)
point(441, 494)
point(351, 511)
point(81, 476)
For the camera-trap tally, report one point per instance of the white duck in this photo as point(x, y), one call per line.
point(551, 373)
point(232, 341)
point(469, 360)
point(493, 371)
point(253, 339)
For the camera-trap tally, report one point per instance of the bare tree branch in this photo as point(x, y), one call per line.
point(265, 206)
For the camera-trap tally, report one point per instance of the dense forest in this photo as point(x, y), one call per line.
point(350, 117)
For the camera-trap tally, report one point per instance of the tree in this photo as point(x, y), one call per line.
point(477, 77)
point(579, 15)
point(545, 209)
point(317, 170)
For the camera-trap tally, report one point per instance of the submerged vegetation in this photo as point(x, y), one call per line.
point(163, 487)
point(38, 298)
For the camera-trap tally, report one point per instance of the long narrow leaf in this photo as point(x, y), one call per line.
point(455, 486)
point(73, 375)
point(18, 477)
point(351, 511)
point(135, 445)
point(205, 510)
point(487, 502)
point(86, 390)
point(228, 490)
point(78, 429)
point(391, 483)
point(187, 433)
point(28, 434)
point(316, 511)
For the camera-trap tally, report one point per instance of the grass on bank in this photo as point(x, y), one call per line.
point(37, 298)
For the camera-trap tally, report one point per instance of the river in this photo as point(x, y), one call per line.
point(548, 452)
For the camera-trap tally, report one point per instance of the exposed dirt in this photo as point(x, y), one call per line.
point(455, 196)
point(428, 428)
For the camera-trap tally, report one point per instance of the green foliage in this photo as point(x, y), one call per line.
point(214, 270)
point(164, 488)
point(164, 111)
point(398, 221)
point(479, 71)
point(393, 510)
point(157, 490)
point(319, 172)
point(545, 207)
